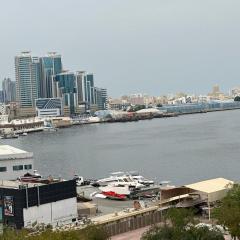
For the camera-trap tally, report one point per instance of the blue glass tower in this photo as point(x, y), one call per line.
point(51, 65)
point(89, 88)
point(67, 85)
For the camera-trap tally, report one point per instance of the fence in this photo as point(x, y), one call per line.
point(134, 222)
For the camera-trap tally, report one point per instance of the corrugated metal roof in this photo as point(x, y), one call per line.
point(211, 185)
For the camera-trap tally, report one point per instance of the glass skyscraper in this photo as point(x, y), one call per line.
point(101, 98)
point(89, 88)
point(44, 78)
point(27, 79)
point(66, 82)
point(9, 90)
point(85, 89)
point(51, 65)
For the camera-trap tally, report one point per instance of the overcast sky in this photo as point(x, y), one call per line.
point(150, 46)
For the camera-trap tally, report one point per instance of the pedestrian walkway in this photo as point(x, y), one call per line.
point(136, 235)
point(133, 235)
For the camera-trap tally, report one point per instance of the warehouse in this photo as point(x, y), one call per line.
point(205, 192)
point(22, 205)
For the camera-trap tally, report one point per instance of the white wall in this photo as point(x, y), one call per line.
point(51, 213)
point(10, 174)
point(53, 112)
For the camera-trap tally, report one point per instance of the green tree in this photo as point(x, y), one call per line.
point(136, 108)
point(192, 233)
point(237, 98)
point(180, 217)
point(89, 233)
point(180, 225)
point(202, 233)
point(228, 212)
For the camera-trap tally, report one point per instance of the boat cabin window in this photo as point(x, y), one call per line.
point(3, 169)
point(17, 167)
point(28, 166)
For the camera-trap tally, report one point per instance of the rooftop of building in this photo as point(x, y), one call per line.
point(7, 149)
point(18, 184)
point(211, 185)
point(9, 152)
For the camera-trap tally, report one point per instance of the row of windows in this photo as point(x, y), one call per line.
point(17, 168)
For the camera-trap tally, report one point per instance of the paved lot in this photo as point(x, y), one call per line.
point(133, 235)
point(136, 235)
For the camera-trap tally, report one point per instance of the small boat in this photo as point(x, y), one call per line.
point(9, 136)
point(50, 129)
point(28, 177)
point(118, 178)
point(114, 196)
point(118, 189)
point(140, 179)
point(24, 134)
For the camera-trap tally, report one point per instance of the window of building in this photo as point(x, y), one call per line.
point(28, 166)
point(3, 169)
point(17, 167)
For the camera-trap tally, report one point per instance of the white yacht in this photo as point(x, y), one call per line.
point(119, 178)
point(140, 179)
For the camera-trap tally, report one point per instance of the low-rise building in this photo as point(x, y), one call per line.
point(23, 205)
point(14, 162)
point(49, 107)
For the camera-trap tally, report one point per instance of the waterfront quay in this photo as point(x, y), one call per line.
point(28, 125)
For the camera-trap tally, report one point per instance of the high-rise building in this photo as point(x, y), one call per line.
point(80, 76)
point(85, 89)
point(1, 96)
point(27, 79)
point(36, 76)
point(66, 83)
point(101, 98)
point(44, 78)
point(89, 88)
point(51, 65)
point(9, 90)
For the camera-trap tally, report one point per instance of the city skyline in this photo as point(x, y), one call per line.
point(175, 47)
point(40, 78)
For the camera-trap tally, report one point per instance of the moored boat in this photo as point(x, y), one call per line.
point(129, 179)
point(118, 189)
point(114, 196)
point(9, 136)
point(140, 179)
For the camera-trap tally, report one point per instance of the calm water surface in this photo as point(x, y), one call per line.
point(183, 149)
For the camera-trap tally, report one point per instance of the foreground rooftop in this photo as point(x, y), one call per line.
point(211, 185)
point(18, 184)
point(9, 152)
